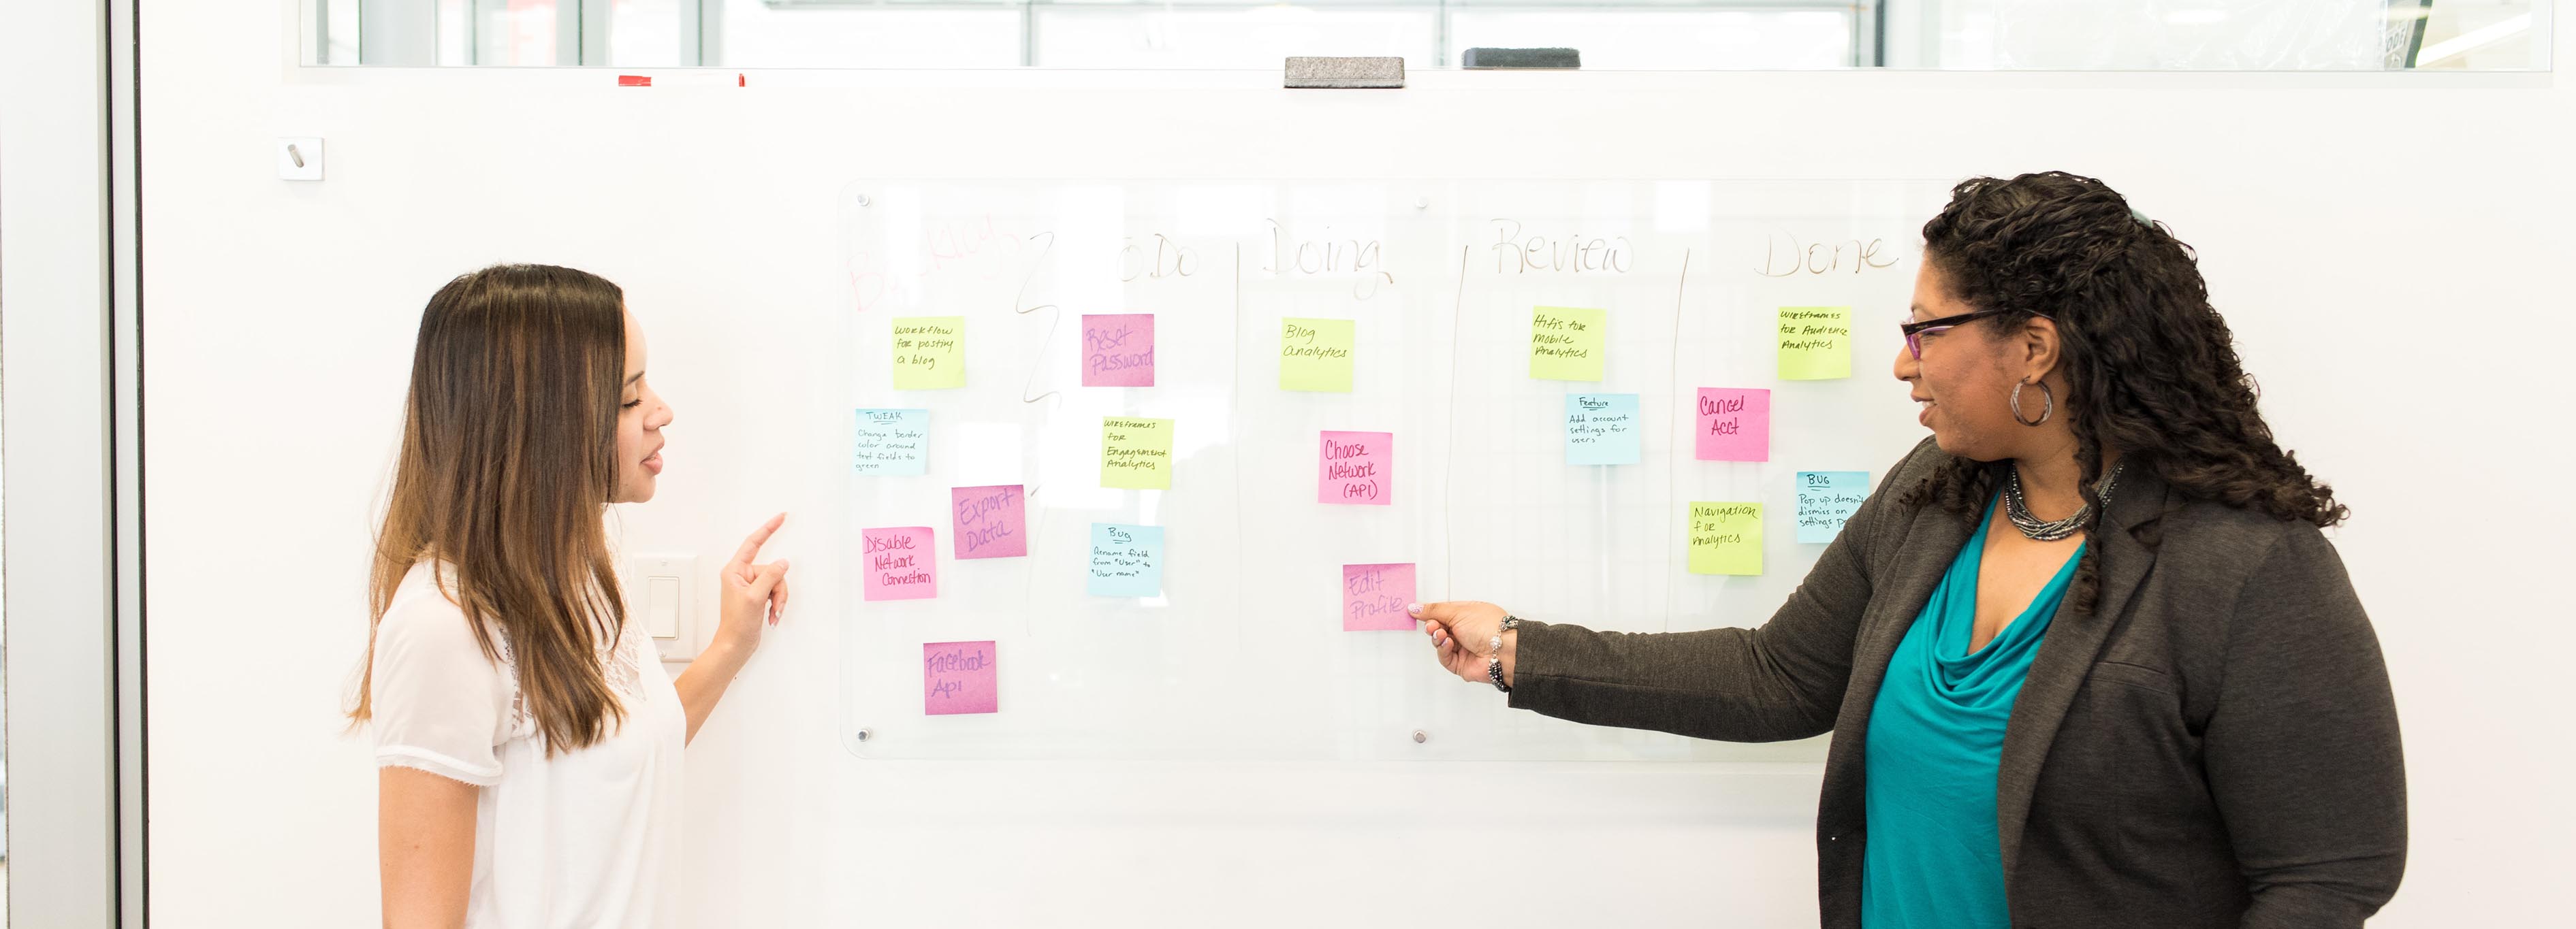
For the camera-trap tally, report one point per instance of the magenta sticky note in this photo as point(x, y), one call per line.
point(1358, 467)
point(1734, 424)
point(1118, 350)
point(900, 563)
point(1374, 596)
point(992, 522)
point(960, 677)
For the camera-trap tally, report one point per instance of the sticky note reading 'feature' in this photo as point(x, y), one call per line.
point(1734, 425)
point(1358, 467)
point(1601, 429)
point(1374, 596)
point(992, 522)
point(929, 352)
point(1567, 344)
point(1826, 499)
point(900, 563)
point(1136, 454)
point(1726, 538)
point(1118, 350)
point(960, 677)
point(1126, 561)
point(1815, 342)
point(894, 441)
point(1315, 354)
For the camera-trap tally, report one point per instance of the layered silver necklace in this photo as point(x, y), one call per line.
point(2051, 530)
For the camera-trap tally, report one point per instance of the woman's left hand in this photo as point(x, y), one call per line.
point(755, 595)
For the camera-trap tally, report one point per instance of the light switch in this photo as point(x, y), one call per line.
point(299, 159)
point(661, 593)
point(662, 607)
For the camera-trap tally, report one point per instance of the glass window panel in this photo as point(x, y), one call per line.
point(1152, 36)
point(1666, 39)
point(757, 35)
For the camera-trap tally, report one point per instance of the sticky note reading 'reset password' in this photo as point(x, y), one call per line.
point(1118, 350)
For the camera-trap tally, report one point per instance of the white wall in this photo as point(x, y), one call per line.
point(2384, 245)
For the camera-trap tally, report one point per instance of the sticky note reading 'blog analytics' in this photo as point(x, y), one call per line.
point(929, 353)
point(1118, 350)
point(960, 677)
point(901, 563)
point(1315, 354)
point(991, 522)
point(1734, 425)
point(1374, 596)
point(1358, 467)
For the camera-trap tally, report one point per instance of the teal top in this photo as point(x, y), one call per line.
point(1936, 735)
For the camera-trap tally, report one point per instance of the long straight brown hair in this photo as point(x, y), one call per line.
point(509, 456)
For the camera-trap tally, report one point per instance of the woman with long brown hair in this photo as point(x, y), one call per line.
point(528, 742)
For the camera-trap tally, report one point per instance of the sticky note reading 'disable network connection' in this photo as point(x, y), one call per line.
point(1726, 538)
point(900, 563)
point(1136, 454)
point(960, 677)
point(1118, 350)
point(1568, 343)
point(929, 352)
point(1374, 597)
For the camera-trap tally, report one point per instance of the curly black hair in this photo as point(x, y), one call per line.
point(2150, 368)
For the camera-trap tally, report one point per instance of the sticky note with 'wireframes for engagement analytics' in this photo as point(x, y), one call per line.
point(1136, 454)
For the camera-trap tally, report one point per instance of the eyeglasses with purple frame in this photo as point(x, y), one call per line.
point(1914, 332)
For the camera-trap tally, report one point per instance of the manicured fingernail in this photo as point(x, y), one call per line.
point(1414, 609)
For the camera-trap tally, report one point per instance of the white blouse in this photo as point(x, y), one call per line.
point(584, 838)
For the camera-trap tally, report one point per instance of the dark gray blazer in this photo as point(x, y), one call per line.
point(2214, 747)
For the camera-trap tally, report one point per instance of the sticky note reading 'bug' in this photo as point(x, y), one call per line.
point(1315, 354)
point(1815, 342)
point(1826, 499)
point(1601, 429)
point(1358, 467)
point(960, 677)
point(1118, 350)
point(992, 522)
point(1126, 561)
point(929, 352)
point(1734, 425)
point(1374, 597)
point(1568, 343)
point(900, 563)
point(894, 442)
point(1136, 454)
point(1726, 538)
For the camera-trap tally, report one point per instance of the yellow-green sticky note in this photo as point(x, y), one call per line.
point(1136, 454)
point(1315, 354)
point(1566, 343)
point(1815, 342)
point(1725, 538)
point(929, 352)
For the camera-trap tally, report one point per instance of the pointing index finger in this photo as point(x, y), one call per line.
point(751, 545)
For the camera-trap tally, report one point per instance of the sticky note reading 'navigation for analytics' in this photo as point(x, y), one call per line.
point(1374, 596)
point(1118, 350)
point(1126, 561)
point(992, 522)
point(929, 352)
point(1826, 499)
point(1315, 354)
point(894, 441)
point(1567, 344)
point(1734, 425)
point(900, 563)
point(1815, 342)
point(960, 677)
point(1136, 454)
point(1358, 467)
point(1601, 429)
point(1726, 538)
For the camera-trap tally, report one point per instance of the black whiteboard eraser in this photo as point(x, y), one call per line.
point(1346, 72)
point(1491, 58)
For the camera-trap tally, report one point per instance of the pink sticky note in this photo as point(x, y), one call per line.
point(900, 563)
point(959, 677)
point(1358, 467)
point(992, 522)
point(1118, 350)
point(1374, 596)
point(1734, 424)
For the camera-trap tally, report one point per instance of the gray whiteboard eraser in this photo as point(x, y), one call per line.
point(1345, 72)
point(1489, 58)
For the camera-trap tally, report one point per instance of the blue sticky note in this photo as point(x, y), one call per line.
point(1601, 429)
point(1825, 499)
point(894, 442)
point(1126, 561)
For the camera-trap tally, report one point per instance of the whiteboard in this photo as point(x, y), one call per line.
point(1244, 655)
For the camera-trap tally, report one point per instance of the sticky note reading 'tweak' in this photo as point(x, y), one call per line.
point(1567, 343)
point(1815, 342)
point(900, 563)
point(1726, 538)
point(1734, 425)
point(992, 522)
point(960, 677)
point(1358, 467)
point(929, 352)
point(1118, 350)
point(1601, 429)
point(894, 441)
point(1374, 596)
point(1826, 499)
point(1136, 454)
point(1315, 354)
point(1126, 561)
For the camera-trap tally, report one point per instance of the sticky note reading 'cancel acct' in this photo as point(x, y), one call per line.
point(929, 352)
point(1315, 354)
point(1374, 596)
point(1358, 467)
point(1126, 561)
point(992, 522)
point(960, 677)
point(1726, 538)
point(1136, 454)
point(1734, 425)
point(900, 563)
point(1118, 350)
point(1568, 343)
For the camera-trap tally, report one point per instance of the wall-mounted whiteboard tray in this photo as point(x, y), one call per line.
point(1243, 655)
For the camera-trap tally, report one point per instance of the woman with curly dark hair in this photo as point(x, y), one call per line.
point(2086, 658)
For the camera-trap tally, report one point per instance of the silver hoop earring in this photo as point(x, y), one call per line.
point(2047, 396)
